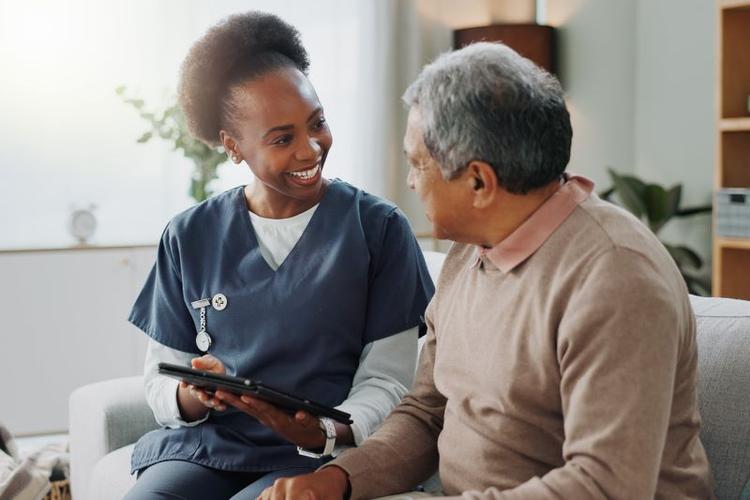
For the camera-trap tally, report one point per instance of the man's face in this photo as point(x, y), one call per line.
point(444, 201)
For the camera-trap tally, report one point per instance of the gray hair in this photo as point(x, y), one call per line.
point(485, 102)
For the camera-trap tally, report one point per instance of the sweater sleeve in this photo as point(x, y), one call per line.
point(618, 345)
point(403, 452)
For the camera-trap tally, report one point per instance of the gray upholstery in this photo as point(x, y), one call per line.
point(724, 390)
point(106, 418)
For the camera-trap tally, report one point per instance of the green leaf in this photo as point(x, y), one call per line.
point(686, 212)
point(658, 207)
point(120, 90)
point(136, 103)
point(684, 257)
point(630, 191)
point(145, 137)
point(607, 193)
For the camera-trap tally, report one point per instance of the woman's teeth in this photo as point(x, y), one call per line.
point(306, 174)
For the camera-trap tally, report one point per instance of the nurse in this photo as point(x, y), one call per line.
point(308, 284)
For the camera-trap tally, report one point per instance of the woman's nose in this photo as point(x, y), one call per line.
point(309, 149)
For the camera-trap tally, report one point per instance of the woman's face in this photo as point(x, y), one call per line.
point(281, 133)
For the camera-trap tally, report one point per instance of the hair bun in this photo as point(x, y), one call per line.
point(237, 43)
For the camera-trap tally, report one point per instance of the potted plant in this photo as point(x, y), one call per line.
point(169, 124)
point(655, 206)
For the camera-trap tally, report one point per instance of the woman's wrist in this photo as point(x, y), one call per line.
point(190, 407)
point(344, 434)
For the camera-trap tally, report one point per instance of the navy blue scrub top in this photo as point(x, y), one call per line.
point(356, 275)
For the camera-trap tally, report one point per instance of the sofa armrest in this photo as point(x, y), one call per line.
point(105, 416)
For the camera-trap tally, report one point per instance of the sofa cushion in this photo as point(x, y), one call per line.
point(110, 477)
point(724, 389)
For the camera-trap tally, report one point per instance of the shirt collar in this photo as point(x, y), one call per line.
point(524, 241)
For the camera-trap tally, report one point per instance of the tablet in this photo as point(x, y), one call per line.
point(237, 385)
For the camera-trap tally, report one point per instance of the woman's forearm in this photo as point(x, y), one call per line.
point(191, 409)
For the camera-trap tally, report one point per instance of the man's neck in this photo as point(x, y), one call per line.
point(511, 210)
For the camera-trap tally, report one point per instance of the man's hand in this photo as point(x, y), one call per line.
point(301, 428)
point(329, 483)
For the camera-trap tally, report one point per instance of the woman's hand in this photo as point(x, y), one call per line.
point(329, 483)
point(194, 401)
point(301, 428)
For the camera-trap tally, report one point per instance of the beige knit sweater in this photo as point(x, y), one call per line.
point(572, 375)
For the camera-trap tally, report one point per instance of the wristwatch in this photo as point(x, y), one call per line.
point(326, 425)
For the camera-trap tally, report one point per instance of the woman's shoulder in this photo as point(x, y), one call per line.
point(368, 205)
point(207, 215)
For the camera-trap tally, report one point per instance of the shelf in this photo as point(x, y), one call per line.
point(74, 248)
point(735, 243)
point(735, 124)
point(731, 256)
point(734, 62)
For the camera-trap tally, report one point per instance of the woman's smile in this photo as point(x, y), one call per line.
point(306, 177)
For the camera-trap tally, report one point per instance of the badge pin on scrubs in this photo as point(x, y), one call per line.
point(219, 302)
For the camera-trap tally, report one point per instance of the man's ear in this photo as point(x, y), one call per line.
point(484, 183)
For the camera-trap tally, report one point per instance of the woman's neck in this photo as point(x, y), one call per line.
point(269, 203)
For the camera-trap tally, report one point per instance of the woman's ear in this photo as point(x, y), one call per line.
point(484, 183)
point(230, 146)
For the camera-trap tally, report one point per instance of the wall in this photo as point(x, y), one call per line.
point(639, 76)
point(675, 138)
point(596, 54)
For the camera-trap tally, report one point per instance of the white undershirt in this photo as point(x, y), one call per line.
point(384, 374)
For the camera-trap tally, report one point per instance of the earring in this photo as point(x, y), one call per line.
point(235, 158)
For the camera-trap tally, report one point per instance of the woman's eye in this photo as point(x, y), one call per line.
point(284, 139)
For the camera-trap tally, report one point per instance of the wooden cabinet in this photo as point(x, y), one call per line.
point(64, 325)
point(731, 256)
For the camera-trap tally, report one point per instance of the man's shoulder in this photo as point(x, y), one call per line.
point(597, 228)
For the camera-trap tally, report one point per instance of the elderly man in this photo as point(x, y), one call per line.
point(560, 359)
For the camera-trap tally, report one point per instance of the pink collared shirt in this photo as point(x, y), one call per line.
point(524, 241)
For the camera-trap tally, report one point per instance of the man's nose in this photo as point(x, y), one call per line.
point(410, 179)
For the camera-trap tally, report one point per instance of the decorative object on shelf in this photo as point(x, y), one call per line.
point(82, 223)
point(532, 41)
point(169, 124)
point(655, 206)
point(733, 212)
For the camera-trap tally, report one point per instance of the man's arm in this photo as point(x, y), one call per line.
point(403, 451)
point(618, 344)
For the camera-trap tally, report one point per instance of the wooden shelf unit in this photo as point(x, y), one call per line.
point(731, 256)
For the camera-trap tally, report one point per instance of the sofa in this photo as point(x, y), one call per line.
point(106, 418)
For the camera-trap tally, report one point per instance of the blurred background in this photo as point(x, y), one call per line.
point(82, 203)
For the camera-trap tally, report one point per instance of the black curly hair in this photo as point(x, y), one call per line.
point(239, 48)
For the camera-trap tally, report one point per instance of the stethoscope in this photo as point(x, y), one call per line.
point(219, 303)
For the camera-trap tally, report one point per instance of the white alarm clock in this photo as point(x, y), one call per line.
point(82, 223)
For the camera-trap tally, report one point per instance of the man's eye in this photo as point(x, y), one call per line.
point(319, 124)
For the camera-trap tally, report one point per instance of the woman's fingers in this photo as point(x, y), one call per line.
point(206, 399)
point(208, 363)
